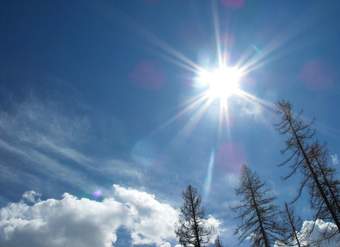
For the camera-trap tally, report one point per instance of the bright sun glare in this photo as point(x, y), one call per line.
point(221, 82)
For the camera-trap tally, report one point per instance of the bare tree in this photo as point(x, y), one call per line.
point(328, 182)
point(311, 159)
point(192, 230)
point(256, 211)
point(218, 242)
point(292, 222)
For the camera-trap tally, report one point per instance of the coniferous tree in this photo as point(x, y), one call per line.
point(256, 211)
point(192, 230)
point(218, 242)
point(291, 223)
point(311, 159)
point(328, 182)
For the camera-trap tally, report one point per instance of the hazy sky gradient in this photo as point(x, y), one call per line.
point(89, 91)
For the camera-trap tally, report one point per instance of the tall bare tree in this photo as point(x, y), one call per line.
point(310, 158)
point(256, 211)
point(192, 229)
point(291, 222)
point(328, 182)
point(218, 242)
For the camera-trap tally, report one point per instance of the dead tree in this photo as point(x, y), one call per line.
point(218, 242)
point(300, 143)
point(291, 223)
point(256, 211)
point(192, 229)
point(329, 183)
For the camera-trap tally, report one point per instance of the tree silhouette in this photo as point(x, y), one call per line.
point(311, 159)
point(256, 211)
point(218, 242)
point(192, 229)
point(291, 223)
point(328, 182)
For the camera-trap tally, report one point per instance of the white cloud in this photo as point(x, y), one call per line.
point(81, 222)
point(215, 225)
point(251, 109)
point(31, 197)
point(335, 159)
point(151, 221)
point(312, 232)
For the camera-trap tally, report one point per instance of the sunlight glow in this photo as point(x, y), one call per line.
point(219, 88)
point(220, 91)
point(222, 82)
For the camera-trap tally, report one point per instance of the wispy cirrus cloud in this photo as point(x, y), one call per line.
point(44, 143)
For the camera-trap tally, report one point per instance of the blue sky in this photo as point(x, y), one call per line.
point(89, 91)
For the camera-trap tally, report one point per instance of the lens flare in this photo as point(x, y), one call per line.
point(208, 179)
point(222, 82)
point(97, 194)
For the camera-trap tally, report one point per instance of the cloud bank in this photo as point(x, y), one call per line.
point(81, 222)
point(312, 233)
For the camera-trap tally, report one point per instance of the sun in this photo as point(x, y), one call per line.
point(221, 83)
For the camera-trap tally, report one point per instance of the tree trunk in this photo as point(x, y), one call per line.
point(315, 178)
point(329, 187)
point(258, 214)
point(198, 242)
point(292, 225)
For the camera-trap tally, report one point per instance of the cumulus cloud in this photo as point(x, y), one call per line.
point(314, 234)
point(81, 222)
point(151, 221)
point(31, 196)
point(215, 224)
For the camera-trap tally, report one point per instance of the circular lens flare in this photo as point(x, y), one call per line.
point(222, 82)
